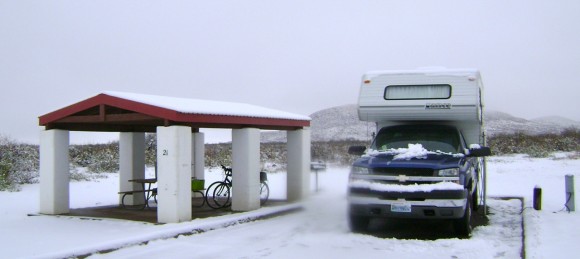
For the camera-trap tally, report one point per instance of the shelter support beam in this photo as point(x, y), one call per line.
point(298, 178)
point(131, 165)
point(174, 174)
point(54, 172)
point(246, 169)
point(198, 157)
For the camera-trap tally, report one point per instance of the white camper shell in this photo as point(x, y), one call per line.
point(445, 96)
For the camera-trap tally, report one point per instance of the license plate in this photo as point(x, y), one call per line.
point(401, 207)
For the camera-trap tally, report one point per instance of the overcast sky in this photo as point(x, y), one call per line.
point(297, 56)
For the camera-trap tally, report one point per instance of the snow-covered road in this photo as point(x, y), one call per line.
point(321, 231)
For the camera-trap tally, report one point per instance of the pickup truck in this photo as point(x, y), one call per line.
point(416, 170)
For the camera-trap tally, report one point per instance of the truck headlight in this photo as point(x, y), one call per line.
point(449, 172)
point(359, 170)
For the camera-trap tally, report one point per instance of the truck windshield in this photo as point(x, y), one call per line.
point(432, 137)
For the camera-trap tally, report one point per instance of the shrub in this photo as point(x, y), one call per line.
point(5, 173)
point(97, 158)
point(535, 145)
point(218, 154)
point(18, 164)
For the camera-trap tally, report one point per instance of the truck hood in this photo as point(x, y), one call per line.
point(430, 160)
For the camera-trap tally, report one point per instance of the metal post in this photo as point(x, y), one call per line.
point(316, 173)
point(570, 204)
point(537, 198)
point(316, 167)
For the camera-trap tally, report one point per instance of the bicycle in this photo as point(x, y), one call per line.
point(221, 190)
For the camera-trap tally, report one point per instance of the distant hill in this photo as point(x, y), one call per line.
point(499, 122)
point(558, 120)
point(336, 123)
point(342, 123)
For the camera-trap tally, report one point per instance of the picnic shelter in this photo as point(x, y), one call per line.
point(180, 147)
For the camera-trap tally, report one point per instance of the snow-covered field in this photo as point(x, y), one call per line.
point(318, 231)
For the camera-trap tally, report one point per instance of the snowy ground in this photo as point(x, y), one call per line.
point(320, 230)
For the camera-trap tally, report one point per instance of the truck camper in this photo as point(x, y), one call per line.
point(427, 159)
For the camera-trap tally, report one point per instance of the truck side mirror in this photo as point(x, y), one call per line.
point(356, 150)
point(480, 151)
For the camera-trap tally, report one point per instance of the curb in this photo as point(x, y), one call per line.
point(169, 231)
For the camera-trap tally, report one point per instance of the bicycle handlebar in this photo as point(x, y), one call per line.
point(228, 170)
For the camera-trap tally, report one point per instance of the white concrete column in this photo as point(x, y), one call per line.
point(174, 174)
point(54, 172)
point(298, 177)
point(246, 169)
point(131, 165)
point(198, 157)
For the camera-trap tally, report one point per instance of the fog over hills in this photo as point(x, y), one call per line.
point(342, 123)
point(559, 120)
point(500, 122)
point(336, 123)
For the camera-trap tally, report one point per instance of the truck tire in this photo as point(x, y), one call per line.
point(358, 224)
point(462, 225)
point(475, 200)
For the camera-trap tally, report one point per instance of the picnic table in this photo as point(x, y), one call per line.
point(146, 189)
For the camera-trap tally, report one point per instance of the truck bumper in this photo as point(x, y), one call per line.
point(402, 208)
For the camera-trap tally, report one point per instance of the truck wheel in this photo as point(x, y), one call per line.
point(358, 224)
point(463, 225)
point(475, 200)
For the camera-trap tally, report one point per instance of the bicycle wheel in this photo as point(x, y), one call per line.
point(220, 196)
point(195, 200)
point(209, 193)
point(264, 193)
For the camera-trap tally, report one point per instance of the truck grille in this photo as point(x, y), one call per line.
point(404, 171)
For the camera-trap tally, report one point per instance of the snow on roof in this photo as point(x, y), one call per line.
point(198, 106)
point(432, 71)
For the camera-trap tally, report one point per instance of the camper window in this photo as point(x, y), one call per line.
point(414, 92)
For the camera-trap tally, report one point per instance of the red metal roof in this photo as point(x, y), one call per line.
point(110, 113)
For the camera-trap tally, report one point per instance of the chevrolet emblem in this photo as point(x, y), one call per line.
point(402, 178)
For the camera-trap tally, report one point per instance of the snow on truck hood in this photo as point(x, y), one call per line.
point(381, 187)
point(416, 151)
